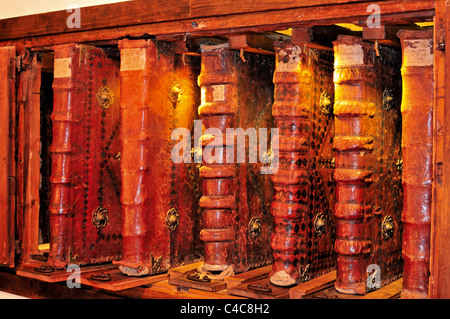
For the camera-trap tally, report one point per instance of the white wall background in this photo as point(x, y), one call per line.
point(16, 8)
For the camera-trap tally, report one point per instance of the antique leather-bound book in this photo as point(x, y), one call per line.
point(254, 222)
point(417, 147)
point(85, 212)
point(160, 198)
point(368, 165)
point(303, 202)
point(236, 221)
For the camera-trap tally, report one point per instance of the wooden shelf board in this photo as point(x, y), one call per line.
point(120, 281)
point(244, 291)
point(58, 275)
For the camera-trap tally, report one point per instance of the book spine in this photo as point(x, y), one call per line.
point(217, 112)
point(61, 151)
point(354, 112)
point(8, 198)
point(417, 148)
point(134, 133)
point(289, 207)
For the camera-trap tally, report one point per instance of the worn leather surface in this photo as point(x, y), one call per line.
point(417, 147)
point(368, 157)
point(135, 163)
point(303, 185)
point(7, 166)
point(218, 109)
point(85, 167)
point(152, 183)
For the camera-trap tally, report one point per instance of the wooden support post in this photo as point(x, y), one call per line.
point(29, 153)
point(439, 284)
point(385, 35)
point(7, 151)
point(313, 286)
point(305, 37)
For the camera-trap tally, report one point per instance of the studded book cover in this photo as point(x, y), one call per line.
point(85, 210)
point(304, 192)
point(368, 165)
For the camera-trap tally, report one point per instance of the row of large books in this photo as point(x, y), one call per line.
point(351, 170)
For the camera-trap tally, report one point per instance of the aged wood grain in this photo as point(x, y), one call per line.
point(29, 157)
point(203, 8)
point(417, 147)
point(7, 111)
point(248, 276)
point(236, 23)
point(95, 17)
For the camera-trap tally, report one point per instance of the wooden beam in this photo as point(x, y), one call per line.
point(319, 37)
point(304, 37)
point(143, 12)
point(7, 151)
point(273, 292)
point(381, 36)
point(164, 290)
point(28, 154)
point(95, 17)
point(238, 24)
point(37, 289)
point(390, 291)
point(386, 34)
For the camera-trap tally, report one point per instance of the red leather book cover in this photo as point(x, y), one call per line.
point(417, 147)
point(85, 212)
point(237, 224)
point(254, 188)
point(8, 93)
point(159, 197)
point(303, 201)
point(368, 165)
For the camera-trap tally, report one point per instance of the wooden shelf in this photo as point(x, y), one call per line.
point(171, 286)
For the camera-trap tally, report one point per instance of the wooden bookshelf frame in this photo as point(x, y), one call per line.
point(175, 20)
